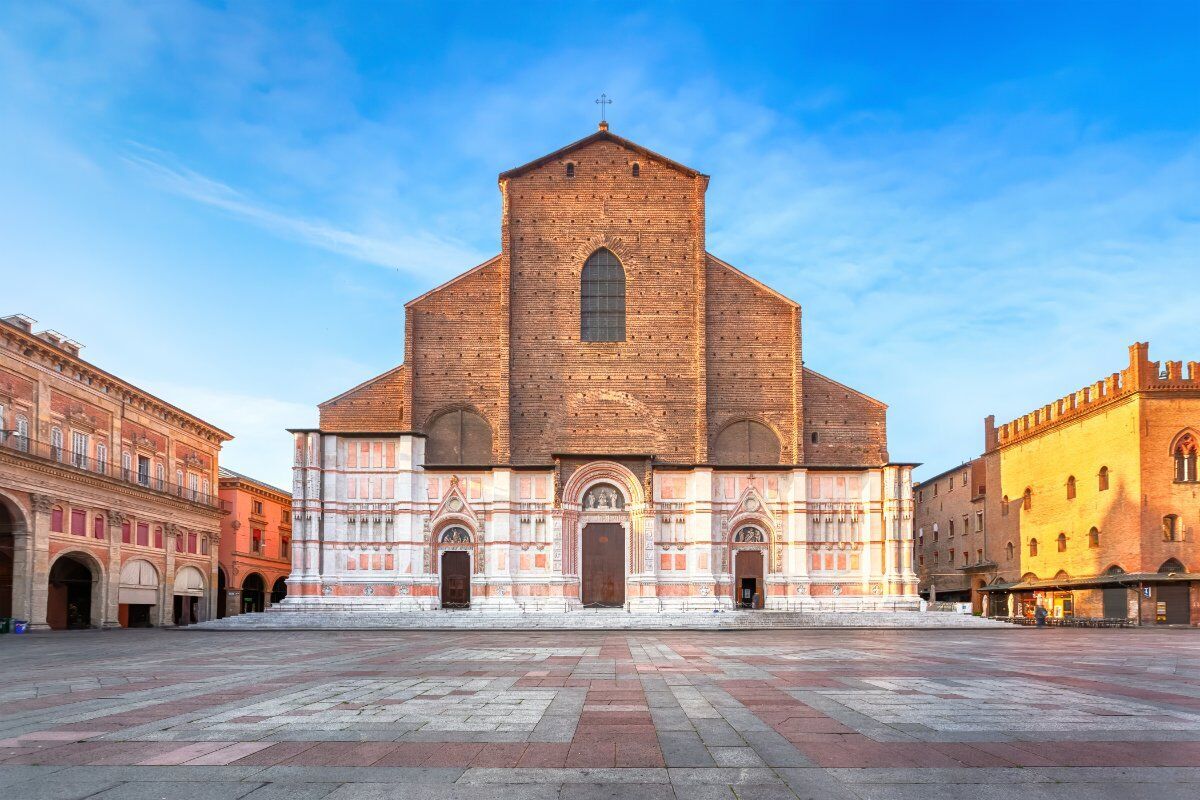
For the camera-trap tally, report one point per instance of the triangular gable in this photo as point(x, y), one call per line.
point(602, 135)
point(456, 506)
point(755, 281)
point(368, 382)
point(809, 373)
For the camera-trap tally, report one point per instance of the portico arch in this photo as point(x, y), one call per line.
point(14, 559)
point(606, 532)
point(75, 596)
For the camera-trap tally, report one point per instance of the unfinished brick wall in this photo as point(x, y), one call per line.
point(376, 405)
point(635, 396)
point(851, 428)
point(705, 345)
point(753, 349)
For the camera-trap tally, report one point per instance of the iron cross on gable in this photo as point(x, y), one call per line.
point(603, 101)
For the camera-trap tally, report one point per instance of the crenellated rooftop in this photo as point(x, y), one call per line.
point(1142, 374)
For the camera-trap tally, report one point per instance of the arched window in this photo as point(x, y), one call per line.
point(746, 442)
point(1062, 543)
point(637, 170)
point(1009, 551)
point(1171, 565)
point(179, 478)
point(602, 298)
point(1170, 528)
point(1094, 538)
point(1115, 569)
point(1071, 488)
point(1027, 501)
point(570, 170)
point(1185, 459)
point(1033, 547)
point(459, 436)
point(1102, 478)
point(1004, 506)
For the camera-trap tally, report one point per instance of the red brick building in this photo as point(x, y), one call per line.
point(108, 509)
point(603, 414)
point(256, 544)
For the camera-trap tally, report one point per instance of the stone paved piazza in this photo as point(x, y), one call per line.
point(765, 714)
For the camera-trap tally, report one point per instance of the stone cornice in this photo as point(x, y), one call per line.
point(41, 353)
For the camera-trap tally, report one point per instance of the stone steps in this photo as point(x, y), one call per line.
point(282, 618)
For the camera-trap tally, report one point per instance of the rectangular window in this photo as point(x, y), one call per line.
point(978, 520)
point(143, 534)
point(98, 527)
point(351, 455)
point(126, 533)
point(158, 537)
point(79, 522)
point(143, 473)
point(257, 506)
point(256, 540)
point(192, 541)
point(285, 548)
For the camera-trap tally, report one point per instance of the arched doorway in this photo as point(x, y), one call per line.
point(69, 603)
point(602, 552)
point(137, 595)
point(278, 590)
point(253, 587)
point(189, 604)
point(8, 530)
point(221, 588)
point(749, 567)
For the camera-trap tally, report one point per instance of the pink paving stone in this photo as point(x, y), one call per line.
point(183, 754)
point(544, 756)
point(227, 755)
point(499, 755)
point(591, 755)
point(275, 754)
point(59, 736)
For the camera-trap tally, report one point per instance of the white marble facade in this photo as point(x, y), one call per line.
point(372, 527)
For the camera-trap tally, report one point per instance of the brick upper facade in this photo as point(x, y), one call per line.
point(705, 344)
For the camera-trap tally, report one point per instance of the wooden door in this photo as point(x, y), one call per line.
point(748, 579)
point(603, 564)
point(456, 579)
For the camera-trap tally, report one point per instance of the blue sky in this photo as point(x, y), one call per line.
point(978, 205)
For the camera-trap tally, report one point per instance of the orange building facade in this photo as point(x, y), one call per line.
point(108, 510)
point(256, 544)
point(1090, 505)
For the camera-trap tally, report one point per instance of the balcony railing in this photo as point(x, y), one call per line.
point(11, 440)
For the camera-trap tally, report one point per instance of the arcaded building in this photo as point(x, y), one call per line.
point(603, 414)
point(1093, 501)
point(256, 544)
point(109, 514)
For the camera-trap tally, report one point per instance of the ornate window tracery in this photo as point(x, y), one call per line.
point(1186, 450)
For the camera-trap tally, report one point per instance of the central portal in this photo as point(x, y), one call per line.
point(603, 565)
point(748, 576)
point(456, 579)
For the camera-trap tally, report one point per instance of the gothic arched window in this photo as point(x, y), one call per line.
point(1033, 547)
point(1103, 479)
point(1094, 537)
point(1008, 551)
point(459, 437)
point(746, 442)
point(1062, 543)
point(1071, 488)
point(1185, 459)
point(602, 298)
point(1027, 501)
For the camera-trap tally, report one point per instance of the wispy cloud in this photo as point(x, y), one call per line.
point(419, 253)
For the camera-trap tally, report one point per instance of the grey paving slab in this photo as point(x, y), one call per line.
point(292, 791)
point(167, 790)
point(684, 749)
point(52, 788)
point(390, 791)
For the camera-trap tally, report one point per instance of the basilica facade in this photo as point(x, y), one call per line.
point(604, 414)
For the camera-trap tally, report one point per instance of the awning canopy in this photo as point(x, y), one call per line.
point(1094, 582)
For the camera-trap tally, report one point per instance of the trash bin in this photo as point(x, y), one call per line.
point(19, 625)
